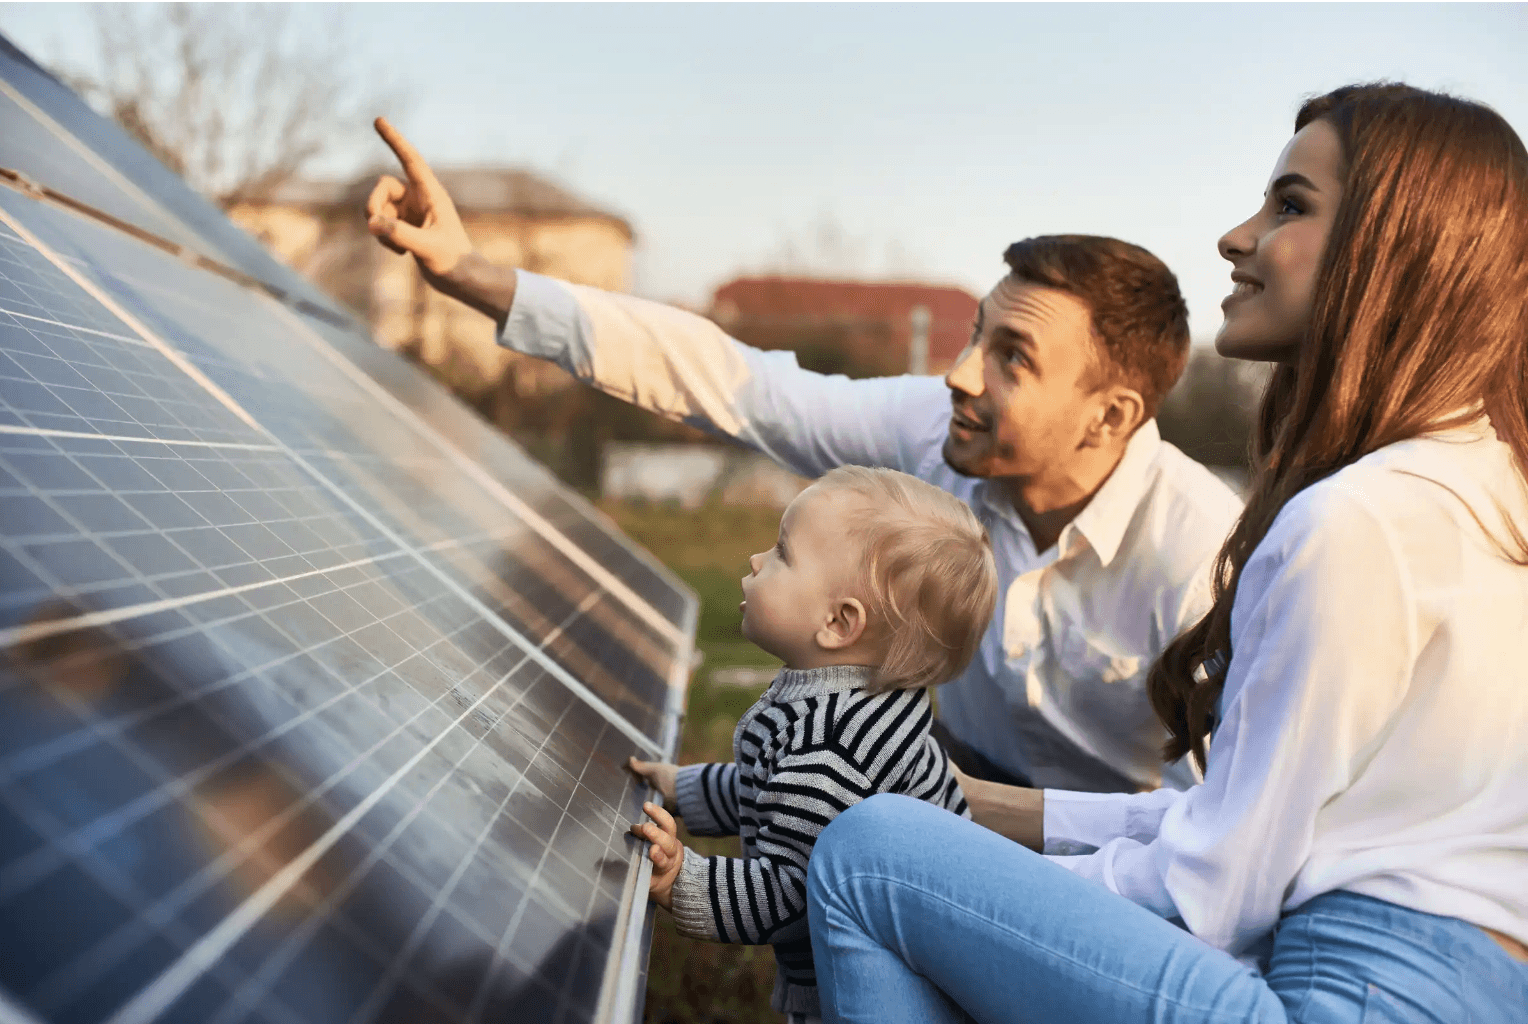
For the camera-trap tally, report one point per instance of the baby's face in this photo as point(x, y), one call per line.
point(791, 592)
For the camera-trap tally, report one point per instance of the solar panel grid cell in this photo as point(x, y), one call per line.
point(568, 513)
point(299, 702)
point(309, 406)
point(254, 717)
point(97, 522)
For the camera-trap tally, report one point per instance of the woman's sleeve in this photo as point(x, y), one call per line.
point(1082, 822)
point(1323, 638)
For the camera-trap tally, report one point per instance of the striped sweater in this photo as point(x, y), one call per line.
point(812, 746)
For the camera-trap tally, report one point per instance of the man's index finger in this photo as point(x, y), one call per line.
point(413, 164)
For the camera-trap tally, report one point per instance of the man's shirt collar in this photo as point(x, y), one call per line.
point(1104, 521)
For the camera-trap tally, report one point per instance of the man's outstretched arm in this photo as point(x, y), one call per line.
point(416, 217)
point(671, 362)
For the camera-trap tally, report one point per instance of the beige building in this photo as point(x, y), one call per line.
point(513, 217)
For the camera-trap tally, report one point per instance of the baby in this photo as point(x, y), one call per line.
point(880, 586)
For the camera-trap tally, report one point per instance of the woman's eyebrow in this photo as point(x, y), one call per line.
point(1292, 178)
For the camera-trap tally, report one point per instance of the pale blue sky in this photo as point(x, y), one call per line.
point(916, 140)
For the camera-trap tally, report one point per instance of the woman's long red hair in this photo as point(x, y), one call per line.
point(1420, 320)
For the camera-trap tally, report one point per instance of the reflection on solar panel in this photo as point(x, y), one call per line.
point(315, 692)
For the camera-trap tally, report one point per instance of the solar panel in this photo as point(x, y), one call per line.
point(315, 692)
point(61, 144)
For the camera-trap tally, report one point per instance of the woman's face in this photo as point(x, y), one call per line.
point(1276, 252)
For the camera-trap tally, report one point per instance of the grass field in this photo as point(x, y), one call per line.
point(705, 982)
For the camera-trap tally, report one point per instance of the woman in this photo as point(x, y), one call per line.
point(1358, 850)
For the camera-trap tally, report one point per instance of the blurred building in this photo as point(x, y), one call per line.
point(862, 328)
point(513, 216)
point(690, 474)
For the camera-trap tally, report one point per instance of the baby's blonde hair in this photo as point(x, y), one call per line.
point(928, 575)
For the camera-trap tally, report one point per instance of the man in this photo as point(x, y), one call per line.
point(1104, 534)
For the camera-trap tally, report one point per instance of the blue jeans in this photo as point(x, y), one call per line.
point(917, 915)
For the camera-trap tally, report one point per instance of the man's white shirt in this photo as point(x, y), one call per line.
point(1057, 690)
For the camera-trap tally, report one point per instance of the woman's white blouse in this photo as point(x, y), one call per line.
point(1374, 732)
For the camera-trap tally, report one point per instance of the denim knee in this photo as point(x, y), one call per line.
point(868, 825)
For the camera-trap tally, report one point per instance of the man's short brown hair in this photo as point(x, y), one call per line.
point(1140, 320)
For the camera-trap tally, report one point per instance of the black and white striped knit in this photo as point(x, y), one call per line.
point(814, 744)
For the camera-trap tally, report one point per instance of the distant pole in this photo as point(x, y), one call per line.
point(917, 347)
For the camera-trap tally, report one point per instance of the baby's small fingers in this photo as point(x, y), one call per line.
point(652, 833)
point(664, 819)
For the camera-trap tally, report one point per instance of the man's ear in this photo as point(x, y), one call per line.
point(1120, 411)
point(844, 626)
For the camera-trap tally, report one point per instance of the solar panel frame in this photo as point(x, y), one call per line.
point(128, 415)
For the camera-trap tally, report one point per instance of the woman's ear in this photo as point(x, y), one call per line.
point(844, 627)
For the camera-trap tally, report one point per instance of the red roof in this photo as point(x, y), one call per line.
point(784, 299)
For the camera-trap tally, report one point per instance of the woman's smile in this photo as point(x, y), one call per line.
point(1243, 286)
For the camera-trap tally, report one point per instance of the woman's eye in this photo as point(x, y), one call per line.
point(1289, 207)
point(780, 550)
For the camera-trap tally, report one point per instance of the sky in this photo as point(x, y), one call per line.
point(912, 141)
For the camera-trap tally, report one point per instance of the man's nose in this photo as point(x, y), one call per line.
point(966, 375)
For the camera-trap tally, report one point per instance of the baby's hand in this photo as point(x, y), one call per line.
point(660, 776)
point(666, 852)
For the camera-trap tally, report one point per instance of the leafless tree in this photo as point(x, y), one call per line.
point(826, 248)
point(236, 98)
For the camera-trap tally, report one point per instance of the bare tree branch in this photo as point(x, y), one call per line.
point(236, 98)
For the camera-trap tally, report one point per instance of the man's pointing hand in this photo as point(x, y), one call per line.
point(416, 217)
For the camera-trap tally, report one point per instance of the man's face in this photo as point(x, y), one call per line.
point(1025, 389)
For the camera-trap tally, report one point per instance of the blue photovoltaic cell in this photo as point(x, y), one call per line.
point(313, 705)
point(566, 510)
point(389, 468)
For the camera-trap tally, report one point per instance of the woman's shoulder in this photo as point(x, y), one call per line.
point(1420, 493)
point(1430, 477)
